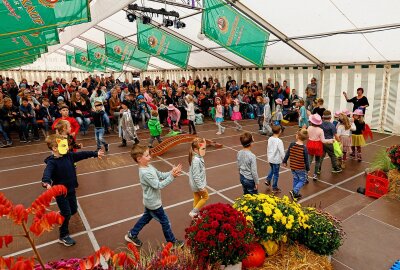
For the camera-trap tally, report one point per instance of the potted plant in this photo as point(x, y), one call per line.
point(274, 219)
point(394, 174)
point(221, 235)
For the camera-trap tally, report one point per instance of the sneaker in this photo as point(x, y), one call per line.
point(319, 172)
point(276, 190)
point(268, 182)
point(315, 178)
point(67, 241)
point(133, 239)
point(106, 147)
point(292, 195)
point(298, 196)
point(353, 155)
point(337, 170)
point(36, 139)
point(194, 213)
point(137, 141)
point(179, 243)
point(240, 128)
point(23, 140)
point(2, 145)
point(223, 130)
point(218, 133)
point(9, 143)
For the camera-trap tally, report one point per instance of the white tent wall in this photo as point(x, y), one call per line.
point(380, 83)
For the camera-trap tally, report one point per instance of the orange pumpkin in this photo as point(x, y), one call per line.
point(255, 258)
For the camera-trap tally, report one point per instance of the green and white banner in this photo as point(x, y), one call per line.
point(226, 26)
point(17, 63)
point(118, 49)
point(82, 59)
point(160, 44)
point(27, 53)
point(27, 16)
point(22, 43)
point(70, 59)
point(97, 56)
point(139, 60)
point(115, 65)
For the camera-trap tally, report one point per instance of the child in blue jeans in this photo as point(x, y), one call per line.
point(152, 181)
point(275, 153)
point(298, 155)
point(247, 163)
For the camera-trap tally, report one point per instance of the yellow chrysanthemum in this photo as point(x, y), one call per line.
point(284, 239)
point(270, 229)
point(249, 218)
point(283, 220)
point(288, 226)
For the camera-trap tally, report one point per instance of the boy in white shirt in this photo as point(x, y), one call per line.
point(276, 154)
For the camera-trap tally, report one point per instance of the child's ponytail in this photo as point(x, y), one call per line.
point(194, 145)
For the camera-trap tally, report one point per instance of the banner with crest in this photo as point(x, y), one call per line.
point(21, 43)
point(27, 16)
point(226, 26)
point(162, 45)
point(119, 50)
point(70, 59)
point(27, 53)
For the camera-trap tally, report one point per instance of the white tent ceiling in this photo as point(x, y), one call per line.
point(292, 19)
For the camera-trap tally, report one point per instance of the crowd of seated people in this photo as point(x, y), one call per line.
point(29, 108)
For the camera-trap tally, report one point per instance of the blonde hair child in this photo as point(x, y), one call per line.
point(344, 129)
point(219, 118)
point(197, 175)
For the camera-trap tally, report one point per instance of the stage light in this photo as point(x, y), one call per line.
point(168, 23)
point(131, 17)
point(146, 20)
point(179, 24)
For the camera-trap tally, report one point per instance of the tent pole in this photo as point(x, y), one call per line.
point(385, 97)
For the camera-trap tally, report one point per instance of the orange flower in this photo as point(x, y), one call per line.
point(45, 222)
point(106, 253)
point(44, 200)
point(19, 214)
point(5, 205)
point(7, 239)
point(134, 250)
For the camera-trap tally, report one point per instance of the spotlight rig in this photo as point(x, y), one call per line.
point(161, 11)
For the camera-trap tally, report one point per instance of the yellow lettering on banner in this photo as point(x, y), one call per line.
point(240, 35)
point(166, 48)
point(35, 16)
point(26, 41)
point(161, 45)
point(233, 30)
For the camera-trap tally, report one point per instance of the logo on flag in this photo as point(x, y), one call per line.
point(223, 24)
point(152, 41)
point(117, 49)
point(84, 58)
point(97, 55)
point(48, 3)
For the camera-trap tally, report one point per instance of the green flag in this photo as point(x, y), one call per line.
point(20, 62)
point(139, 60)
point(97, 56)
point(27, 16)
point(15, 64)
point(22, 43)
point(82, 59)
point(27, 53)
point(165, 46)
point(70, 59)
point(115, 65)
point(233, 31)
point(118, 49)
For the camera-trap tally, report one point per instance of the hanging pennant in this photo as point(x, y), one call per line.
point(226, 26)
point(162, 45)
point(24, 17)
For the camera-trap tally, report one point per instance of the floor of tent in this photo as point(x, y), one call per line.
point(110, 197)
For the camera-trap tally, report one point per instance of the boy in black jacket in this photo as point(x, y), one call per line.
point(60, 170)
point(99, 125)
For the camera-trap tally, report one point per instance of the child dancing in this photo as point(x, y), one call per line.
point(197, 175)
point(152, 181)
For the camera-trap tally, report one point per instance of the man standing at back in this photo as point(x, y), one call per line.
point(311, 92)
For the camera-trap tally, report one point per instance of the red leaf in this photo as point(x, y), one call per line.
point(19, 214)
point(45, 222)
point(44, 200)
point(106, 253)
point(7, 239)
point(5, 206)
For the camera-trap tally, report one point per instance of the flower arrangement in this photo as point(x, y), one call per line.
point(394, 155)
point(325, 234)
point(273, 218)
point(43, 220)
point(220, 235)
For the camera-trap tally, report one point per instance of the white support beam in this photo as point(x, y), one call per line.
point(178, 4)
point(267, 26)
point(100, 10)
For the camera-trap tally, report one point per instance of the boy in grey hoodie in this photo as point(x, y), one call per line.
point(152, 181)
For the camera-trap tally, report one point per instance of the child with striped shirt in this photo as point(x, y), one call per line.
point(298, 155)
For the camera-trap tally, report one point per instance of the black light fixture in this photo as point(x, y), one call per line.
point(146, 19)
point(179, 24)
point(131, 17)
point(168, 23)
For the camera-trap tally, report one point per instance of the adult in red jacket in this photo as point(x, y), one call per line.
point(64, 111)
